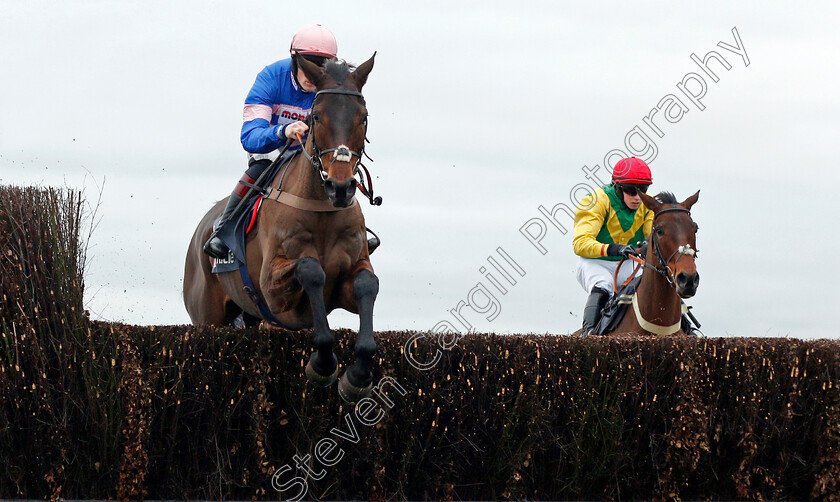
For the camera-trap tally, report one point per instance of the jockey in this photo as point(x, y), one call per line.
point(275, 113)
point(608, 224)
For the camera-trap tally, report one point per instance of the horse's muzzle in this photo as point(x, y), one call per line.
point(687, 284)
point(340, 192)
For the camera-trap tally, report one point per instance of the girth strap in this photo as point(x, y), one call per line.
point(255, 297)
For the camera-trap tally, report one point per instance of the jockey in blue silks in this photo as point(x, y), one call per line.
point(275, 113)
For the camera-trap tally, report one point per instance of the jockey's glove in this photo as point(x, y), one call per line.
point(624, 250)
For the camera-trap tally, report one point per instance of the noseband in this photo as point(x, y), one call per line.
point(341, 153)
point(685, 250)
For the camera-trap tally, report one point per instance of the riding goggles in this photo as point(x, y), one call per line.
point(633, 190)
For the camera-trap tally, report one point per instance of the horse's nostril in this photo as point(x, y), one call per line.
point(340, 192)
point(682, 278)
point(336, 187)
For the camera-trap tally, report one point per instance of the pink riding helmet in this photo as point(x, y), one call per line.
point(314, 40)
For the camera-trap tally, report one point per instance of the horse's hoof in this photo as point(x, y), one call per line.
point(350, 393)
point(319, 380)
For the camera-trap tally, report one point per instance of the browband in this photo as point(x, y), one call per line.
point(340, 91)
point(675, 209)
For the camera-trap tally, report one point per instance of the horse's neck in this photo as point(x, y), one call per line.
point(658, 300)
point(303, 180)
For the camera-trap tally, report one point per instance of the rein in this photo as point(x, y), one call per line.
point(341, 153)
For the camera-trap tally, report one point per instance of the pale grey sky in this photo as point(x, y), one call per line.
point(480, 113)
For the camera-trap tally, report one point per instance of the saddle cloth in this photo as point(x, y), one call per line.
point(233, 235)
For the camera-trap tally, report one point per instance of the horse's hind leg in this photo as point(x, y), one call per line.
point(204, 297)
point(245, 320)
point(357, 380)
point(322, 369)
point(250, 321)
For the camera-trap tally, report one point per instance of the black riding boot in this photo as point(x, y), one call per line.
point(592, 311)
point(687, 326)
point(373, 243)
point(214, 245)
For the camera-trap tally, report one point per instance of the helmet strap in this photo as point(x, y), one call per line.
point(620, 193)
point(295, 68)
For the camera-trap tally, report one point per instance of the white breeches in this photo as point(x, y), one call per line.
point(592, 273)
point(272, 155)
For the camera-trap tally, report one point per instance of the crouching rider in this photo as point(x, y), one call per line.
point(611, 223)
point(276, 112)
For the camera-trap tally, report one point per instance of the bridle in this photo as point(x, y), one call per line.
point(341, 153)
point(663, 268)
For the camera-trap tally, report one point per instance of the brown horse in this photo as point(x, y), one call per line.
point(670, 273)
point(307, 254)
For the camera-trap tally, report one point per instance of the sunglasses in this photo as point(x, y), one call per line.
point(633, 190)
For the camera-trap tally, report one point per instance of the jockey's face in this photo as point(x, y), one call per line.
point(632, 201)
point(304, 82)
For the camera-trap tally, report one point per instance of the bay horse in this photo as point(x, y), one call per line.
point(672, 249)
point(308, 255)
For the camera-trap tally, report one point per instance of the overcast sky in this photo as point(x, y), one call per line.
point(480, 113)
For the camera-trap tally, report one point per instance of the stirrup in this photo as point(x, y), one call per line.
point(688, 328)
point(215, 247)
point(373, 242)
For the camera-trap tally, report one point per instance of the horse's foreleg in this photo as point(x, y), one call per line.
point(357, 381)
point(323, 365)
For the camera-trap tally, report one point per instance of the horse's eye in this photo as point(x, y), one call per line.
point(659, 231)
point(696, 227)
point(364, 120)
point(316, 117)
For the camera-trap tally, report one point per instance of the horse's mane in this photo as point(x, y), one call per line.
point(338, 69)
point(666, 198)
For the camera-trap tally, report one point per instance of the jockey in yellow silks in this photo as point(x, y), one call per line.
point(609, 225)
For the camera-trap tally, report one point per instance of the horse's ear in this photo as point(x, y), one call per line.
point(313, 72)
point(360, 76)
point(650, 202)
point(687, 203)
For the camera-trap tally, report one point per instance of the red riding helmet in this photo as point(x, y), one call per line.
point(632, 171)
point(314, 40)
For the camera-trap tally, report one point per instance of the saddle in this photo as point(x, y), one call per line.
point(616, 308)
point(234, 232)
